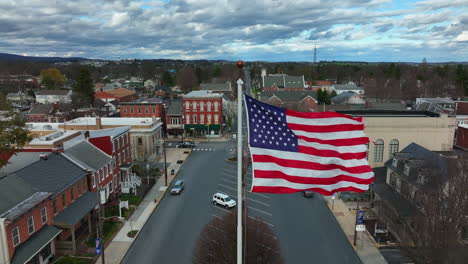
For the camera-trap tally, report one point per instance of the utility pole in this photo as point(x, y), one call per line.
point(100, 225)
point(165, 163)
point(355, 224)
point(240, 64)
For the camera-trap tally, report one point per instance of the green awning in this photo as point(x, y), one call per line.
point(189, 127)
point(77, 210)
point(34, 244)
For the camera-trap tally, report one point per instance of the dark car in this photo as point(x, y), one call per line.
point(186, 144)
point(177, 187)
point(308, 193)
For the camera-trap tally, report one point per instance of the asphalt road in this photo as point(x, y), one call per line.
point(306, 229)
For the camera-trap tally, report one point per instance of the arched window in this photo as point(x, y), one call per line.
point(378, 150)
point(195, 119)
point(194, 106)
point(187, 106)
point(216, 106)
point(202, 119)
point(202, 106)
point(208, 118)
point(187, 119)
point(394, 145)
point(216, 121)
point(208, 106)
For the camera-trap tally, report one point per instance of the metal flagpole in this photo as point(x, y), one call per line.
point(239, 170)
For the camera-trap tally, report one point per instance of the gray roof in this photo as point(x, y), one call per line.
point(153, 100)
point(77, 210)
point(203, 93)
point(216, 86)
point(87, 155)
point(20, 160)
point(54, 175)
point(13, 190)
point(25, 205)
point(37, 109)
point(342, 97)
point(346, 87)
point(53, 92)
point(402, 206)
point(37, 241)
point(288, 96)
point(284, 81)
point(109, 132)
point(175, 108)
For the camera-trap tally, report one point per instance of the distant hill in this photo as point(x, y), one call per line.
point(14, 57)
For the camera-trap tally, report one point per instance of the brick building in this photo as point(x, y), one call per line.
point(26, 231)
point(202, 113)
point(151, 107)
point(174, 119)
point(282, 82)
point(302, 101)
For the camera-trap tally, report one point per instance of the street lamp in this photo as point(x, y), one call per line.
point(163, 142)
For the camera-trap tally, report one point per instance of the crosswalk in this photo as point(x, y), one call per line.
point(214, 149)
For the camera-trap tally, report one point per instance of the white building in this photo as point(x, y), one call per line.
point(53, 96)
point(348, 87)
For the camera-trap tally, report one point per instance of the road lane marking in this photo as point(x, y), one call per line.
point(257, 201)
point(216, 216)
point(259, 211)
point(220, 208)
point(227, 187)
point(231, 171)
point(228, 180)
point(272, 225)
point(230, 176)
point(260, 195)
point(274, 237)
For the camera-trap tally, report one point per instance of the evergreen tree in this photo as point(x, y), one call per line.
point(83, 90)
point(167, 79)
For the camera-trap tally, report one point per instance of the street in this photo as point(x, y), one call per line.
point(306, 229)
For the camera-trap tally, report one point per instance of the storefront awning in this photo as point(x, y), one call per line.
point(214, 127)
point(77, 210)
point(35, 244)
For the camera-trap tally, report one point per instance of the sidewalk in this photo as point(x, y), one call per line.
point(119, 246)
point(365, 245)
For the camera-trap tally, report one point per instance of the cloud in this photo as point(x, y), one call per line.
point(222, 29)
point(462, 37)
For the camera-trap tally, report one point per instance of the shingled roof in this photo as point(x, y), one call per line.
point(87, 155)
point(288, 96)
point(283, 81)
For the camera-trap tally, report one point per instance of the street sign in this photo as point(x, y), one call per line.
point(98, 246)
point(360, 228)
point(360, 217)
point(333, 196)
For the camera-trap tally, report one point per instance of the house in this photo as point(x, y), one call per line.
point(72, 204)
point(348, 87)
point(53, 96)
point(348, 98)
point(202, 113)
point(51, 142)
point(26, 231)
point(19, 99)
point(43, 113)
point(224, 88)
point(174, 119)
point(301, 101)
point(283, 82)
point(391, 130)
point(438, 105)
point(150, 107)
point(119, 94)
point(163, 91)
point(115, 142)
point(319, 84)
point(145, 133)
point(411, 175)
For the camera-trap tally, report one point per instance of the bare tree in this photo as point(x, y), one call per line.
point(217, 242)
point(186, 79)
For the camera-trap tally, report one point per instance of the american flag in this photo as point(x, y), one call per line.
point(293, 151)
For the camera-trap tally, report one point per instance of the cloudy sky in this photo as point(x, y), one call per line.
point(272, 30)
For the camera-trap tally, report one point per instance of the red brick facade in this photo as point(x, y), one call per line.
point(462, 137)
point(202, 111)
point(142, 110)
point(22, 224)
point(461, 108)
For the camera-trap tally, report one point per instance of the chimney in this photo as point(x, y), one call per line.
point(98, 123)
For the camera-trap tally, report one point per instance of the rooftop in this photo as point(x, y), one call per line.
point(347, 86)
point(20, 160)
point(41, 109)
point(53, 92)
point(87, 155)
point(283, 81)
point(114, 121)
point(153, 100)
point(37, 126)
point(202, 93)
point(109, 132)
point(388, 113)
point(50, 139)
point(216, 86)
point(175, 108)
point(288, 95)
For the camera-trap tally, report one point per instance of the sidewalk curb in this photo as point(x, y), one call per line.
point(332, 212)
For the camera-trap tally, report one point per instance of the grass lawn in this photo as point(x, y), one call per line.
point(132, 199)
point(110, 227)
point(73, 260)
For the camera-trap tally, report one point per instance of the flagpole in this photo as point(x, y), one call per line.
point(239, 170)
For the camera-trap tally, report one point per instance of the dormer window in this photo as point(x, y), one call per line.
point(395, 162)
point(421, 177)
point(407, 170)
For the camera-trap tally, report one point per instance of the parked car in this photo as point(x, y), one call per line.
point(172, 171)
point(308, 193)
point(223, 200)
point(177, 187)
point(186, 144)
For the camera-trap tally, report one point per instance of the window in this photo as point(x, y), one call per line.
point(15, 236)
point(208, 106)
point(216, 121)
point(140, 141)
point(93, 181)
point(202, 119)
point(202, 106)
point(54, 205)
point(194, 119)
point(216, 104)
point(393, 148)
point(187, 119)
point(395, 162)
point(139, 110)
point(44, 215)
point(208, 118)
point(105, 172)
point(147, 110)
point(101, 175)
point(64, 200)
point(154, 110)
point(131, 110)
point(125, 109)
point(31, 224)
point(194, 106)
point(407, 170)
point(187, 106)
point(72, 193)
point(110, 186)
point(378, 150)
